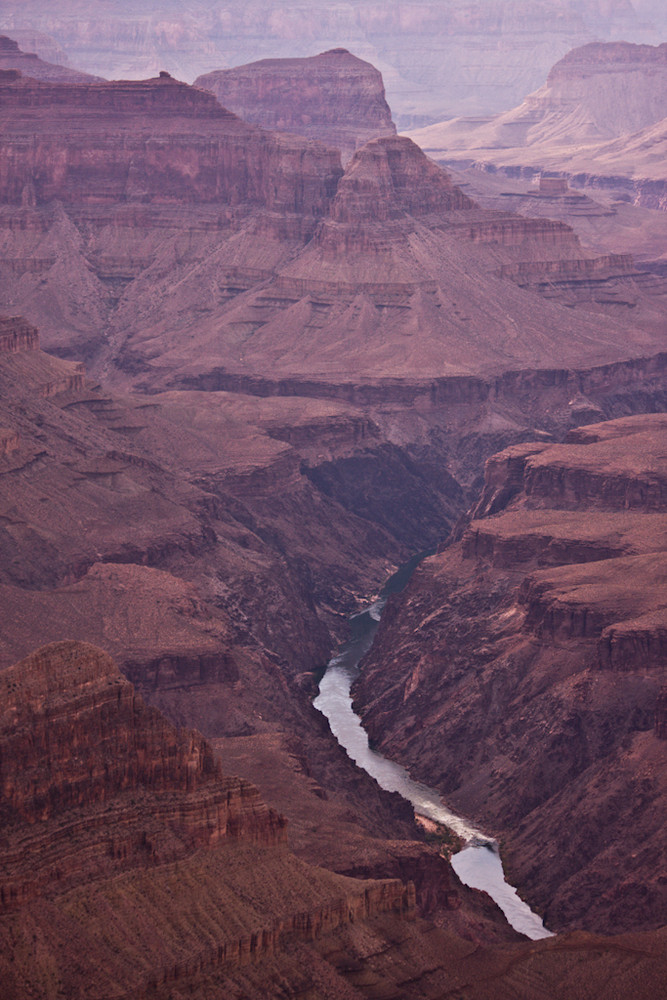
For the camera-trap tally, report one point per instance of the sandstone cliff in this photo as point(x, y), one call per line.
point(523, 672)
point(334, 97)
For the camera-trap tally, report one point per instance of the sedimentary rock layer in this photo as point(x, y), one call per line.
point(333, 97)
point(523, 671)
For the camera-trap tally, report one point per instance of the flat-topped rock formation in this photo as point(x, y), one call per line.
point(334, 97)
point(523, 672)
point(599, 119)
point(143, 169)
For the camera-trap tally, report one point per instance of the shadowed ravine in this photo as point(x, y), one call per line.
point(478, 865)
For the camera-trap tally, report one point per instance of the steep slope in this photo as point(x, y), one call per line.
point(599, 119)
point(522, 674)
point(333, 97)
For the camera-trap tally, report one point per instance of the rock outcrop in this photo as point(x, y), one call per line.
point(210, 165)
point(524, 672)
point(75, 738)
point(17, 336)
point(100, 799)
point(334, 97)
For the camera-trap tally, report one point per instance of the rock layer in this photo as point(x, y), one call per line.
point(523, 672)
point(102, 800)
point(333, 97)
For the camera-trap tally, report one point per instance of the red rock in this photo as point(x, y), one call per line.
point(522, 673)
point(334, 97)
point(153, 164)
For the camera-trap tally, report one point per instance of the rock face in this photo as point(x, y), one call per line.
point(132, 868)
point(523, 673)
point(101, 798)
point(333, 97)
point(75, 736)
point(599, 120)
point(211, 167)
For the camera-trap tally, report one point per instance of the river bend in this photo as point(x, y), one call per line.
point(478, 864)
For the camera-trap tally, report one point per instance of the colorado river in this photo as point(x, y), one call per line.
point(478, 865)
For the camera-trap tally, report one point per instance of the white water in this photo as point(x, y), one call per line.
point(478, 864)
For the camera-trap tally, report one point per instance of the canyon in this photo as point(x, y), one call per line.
point(241, 383)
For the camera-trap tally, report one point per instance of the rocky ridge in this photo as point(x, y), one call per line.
point(526, 666)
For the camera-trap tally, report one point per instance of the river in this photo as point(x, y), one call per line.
point(478, 864)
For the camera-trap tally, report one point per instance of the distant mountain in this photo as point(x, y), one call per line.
point(29, 64)
point(438, 57)
point(600, 114)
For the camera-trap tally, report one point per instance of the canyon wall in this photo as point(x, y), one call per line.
point(100, 799)
point(523, 672)
point(438, 59)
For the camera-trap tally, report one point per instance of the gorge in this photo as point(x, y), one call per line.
point(242, 380)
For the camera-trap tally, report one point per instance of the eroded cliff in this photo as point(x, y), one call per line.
point(523, 672)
